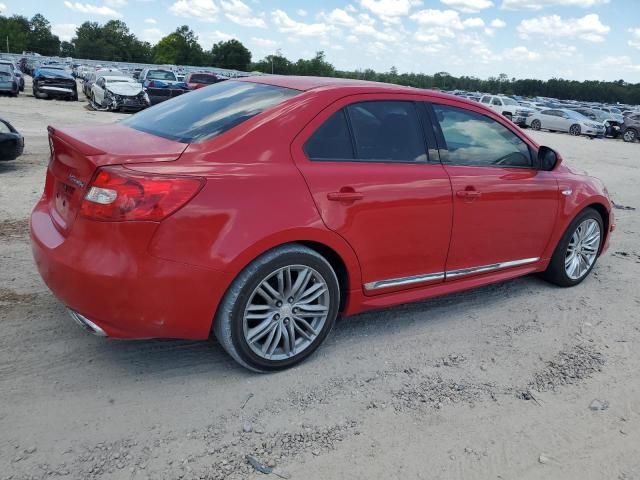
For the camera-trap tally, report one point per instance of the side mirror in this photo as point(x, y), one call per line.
point(548, 159)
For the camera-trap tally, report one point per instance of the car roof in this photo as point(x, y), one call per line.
point(311, 83)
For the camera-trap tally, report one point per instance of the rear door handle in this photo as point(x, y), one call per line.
point(344, 196)
point(468, 194)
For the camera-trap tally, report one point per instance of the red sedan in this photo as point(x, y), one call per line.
point(259, 209)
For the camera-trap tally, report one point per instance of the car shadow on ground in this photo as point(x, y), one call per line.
point(166, 358)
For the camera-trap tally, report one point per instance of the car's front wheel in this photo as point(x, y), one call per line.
point(279, 309)
point(575, 130)
point(630, 135)
point(536, 125)
point(577, 251)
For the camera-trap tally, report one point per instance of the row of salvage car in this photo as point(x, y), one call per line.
point(106, 89)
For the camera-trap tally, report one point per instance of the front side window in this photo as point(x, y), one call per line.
point(496, 101)
point(207, 112)
point(476, 140)
point(486, 99)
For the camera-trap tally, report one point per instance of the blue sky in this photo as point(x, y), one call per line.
point(575, 39)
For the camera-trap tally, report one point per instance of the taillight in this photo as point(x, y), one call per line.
point(117, 194)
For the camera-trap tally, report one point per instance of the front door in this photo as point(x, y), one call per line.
point(365, 161)
point(504, 208)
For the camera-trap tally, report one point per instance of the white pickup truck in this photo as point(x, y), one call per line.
point(508, 107)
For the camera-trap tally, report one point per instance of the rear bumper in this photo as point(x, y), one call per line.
point(104, 273)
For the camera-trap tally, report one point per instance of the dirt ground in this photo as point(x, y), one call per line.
point(520, 380)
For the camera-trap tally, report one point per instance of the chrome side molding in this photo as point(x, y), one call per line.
point(487, 268)
point(431, 277)
point(398, 282)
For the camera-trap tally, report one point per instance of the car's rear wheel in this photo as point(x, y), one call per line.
point(630, 135)
point(508, 116)
point(279, 309)
point(577, 251)
point(536, 125)
point(575, 130)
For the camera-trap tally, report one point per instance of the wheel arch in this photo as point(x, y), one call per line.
point(606, 220)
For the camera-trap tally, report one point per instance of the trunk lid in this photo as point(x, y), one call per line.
point(76, 153)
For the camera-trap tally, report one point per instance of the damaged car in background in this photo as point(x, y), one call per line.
point(54, 82)
point(611, 124)
point(118, 93)
point(161, 84)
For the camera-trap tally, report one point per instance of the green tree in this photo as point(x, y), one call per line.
point(179, 48)
point(317, 66)
point(14, 31)
point(231, 54)
point(41, 40)
point(277, 64)
point(112, 41)
point(67, 49)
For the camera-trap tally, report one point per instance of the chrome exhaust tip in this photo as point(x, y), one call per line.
point(87, 324)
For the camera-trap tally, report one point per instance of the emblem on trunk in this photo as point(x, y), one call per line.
point(75, 180)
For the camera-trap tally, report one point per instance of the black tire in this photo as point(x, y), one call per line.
point(575, 130)
point(555, 272)
point(630, 135)
point(508, 116)
point(74, 97)
point(536, 125)
point(228, 322)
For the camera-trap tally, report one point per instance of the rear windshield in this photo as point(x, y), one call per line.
point(199, 78)
point(161, 75)
point(204, 113)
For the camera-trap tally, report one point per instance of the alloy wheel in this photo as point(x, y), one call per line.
point(286, 312)
point(582, 249)
point(629, 136)
point(574, 130)
point(536, 125)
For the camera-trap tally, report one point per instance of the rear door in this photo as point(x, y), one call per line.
point(366, 163)
point(504, 208)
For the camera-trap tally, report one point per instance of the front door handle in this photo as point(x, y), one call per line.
point(347, 196)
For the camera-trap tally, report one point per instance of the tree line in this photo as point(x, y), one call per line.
point(113, 41)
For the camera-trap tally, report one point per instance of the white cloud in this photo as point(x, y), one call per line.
point(622, 62)
point(635, 37)
point(435, 24)
point(65, 31)
point(468, 6)
point(340, 17)
point(538, 4)
point(390, 11)
point(115, 3)
point(151, 21)
point(254, 22)
point(302, 12)
point(286, 24)
point(3, 7)
point(206, 39)
point(204, 10)
point(521, 53)
point(241, 13)
point(151, 35)
point(264, 42)
point(497, 23)
point(91, 9)
point(588, 28)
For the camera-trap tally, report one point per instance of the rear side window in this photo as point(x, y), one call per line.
point(332, 140)
point(379, 131)
point(476, 140)
point(204, 113)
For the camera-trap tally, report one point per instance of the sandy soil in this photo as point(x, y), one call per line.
point(519, 380)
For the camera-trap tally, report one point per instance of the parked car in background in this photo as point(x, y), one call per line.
point(118, 93)
point(54, 82)
point(11, 141)
point(16, 71)
point(508, 107)
point(9, 82)
point(616, 113)
point(91, 77)
point(165, 224)
point(195, 80)
point(161, 84)
point(611, 125)
point(563, 120)
point(631, 128)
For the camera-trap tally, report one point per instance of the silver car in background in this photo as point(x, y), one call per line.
point(564, 120)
